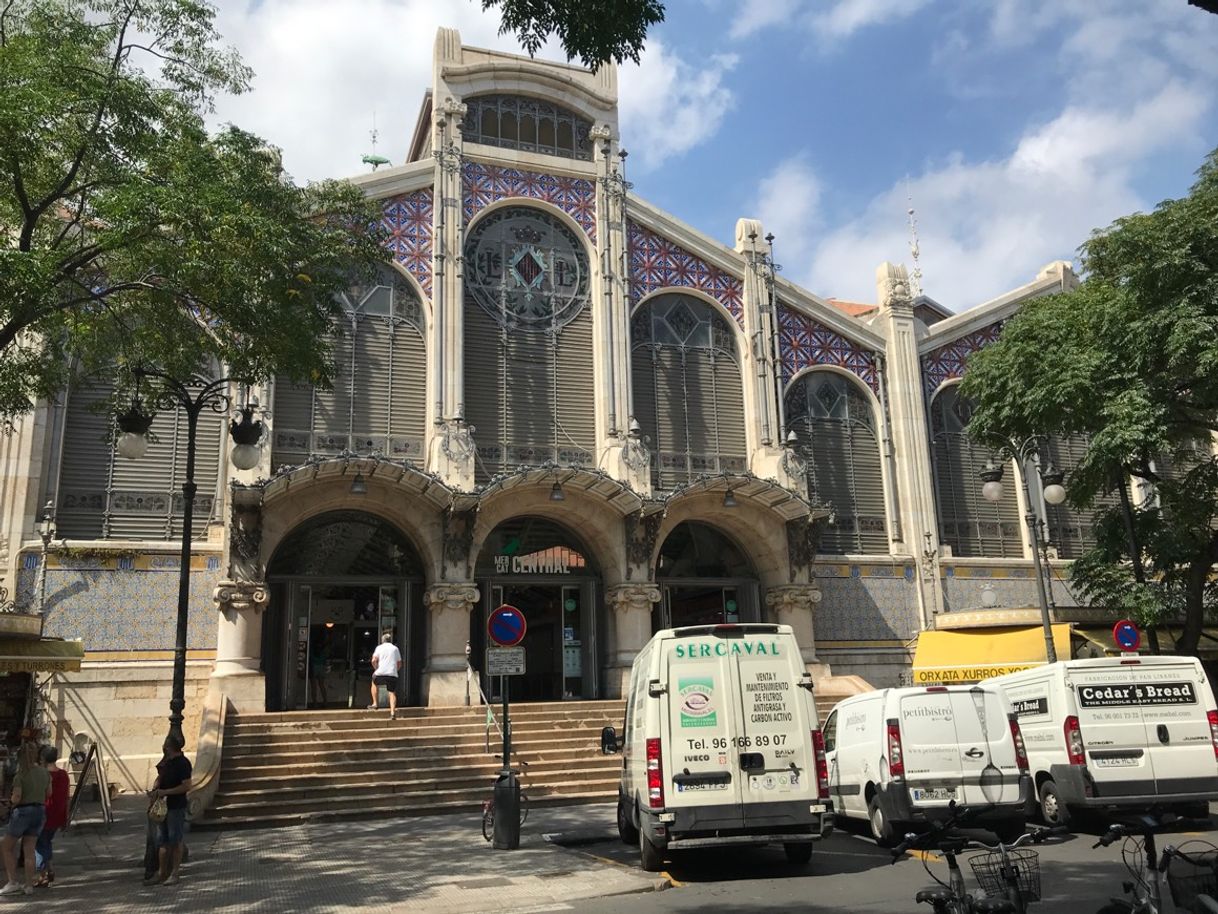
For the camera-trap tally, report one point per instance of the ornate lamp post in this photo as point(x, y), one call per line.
point(46, 532)
point(1054, 493)
point(194, 396)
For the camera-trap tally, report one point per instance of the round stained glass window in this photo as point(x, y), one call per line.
point(526, 269)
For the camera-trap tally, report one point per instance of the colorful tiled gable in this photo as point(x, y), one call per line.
point(407, 219)
point(657, 263)
point(806, 343)
point(947, 362)
point(484, 184)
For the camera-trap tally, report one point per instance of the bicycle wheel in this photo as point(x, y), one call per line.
point(524, 808)
point(488, 820)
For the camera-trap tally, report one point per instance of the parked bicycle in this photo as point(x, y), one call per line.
point(488, 805)
point(1144, 893)
point(1009, 874)
point(1192, 876)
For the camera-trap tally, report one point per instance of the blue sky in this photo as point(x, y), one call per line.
point(1016, 126)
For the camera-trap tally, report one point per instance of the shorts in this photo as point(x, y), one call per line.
point(389, 682)
point(26, 821)
point(172, 831)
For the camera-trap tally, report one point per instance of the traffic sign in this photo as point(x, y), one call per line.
point(505, 661)
point(1126, 635)
point(506, 626)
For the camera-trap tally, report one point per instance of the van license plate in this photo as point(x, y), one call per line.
point(944, 794)
point(1116, 762)
point(701, 785)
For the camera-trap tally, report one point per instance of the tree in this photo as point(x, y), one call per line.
point(1129, 359)
point(594, 32)
point(127, 233)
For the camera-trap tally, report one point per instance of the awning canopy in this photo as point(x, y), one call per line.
point(962, 657)
point(1097, 641)
point(45, 656)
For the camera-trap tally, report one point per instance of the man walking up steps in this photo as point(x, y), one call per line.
point(386, 665)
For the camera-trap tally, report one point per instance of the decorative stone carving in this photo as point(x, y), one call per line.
point(245, 534)
point(239, 596)
point(441, 598)
point(803, 540)
point(641, 534)
point(458, 540)
point(892, 287)
point(632, 597)
point(794, 598)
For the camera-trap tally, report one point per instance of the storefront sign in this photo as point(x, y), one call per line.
point(552, 561)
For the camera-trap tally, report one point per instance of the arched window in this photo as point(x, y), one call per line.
point(518, 122)
point(836, 427)
point(1071, 531)
point(528, 342)
point(688, 393)
point(378, 401)
point(968, 523)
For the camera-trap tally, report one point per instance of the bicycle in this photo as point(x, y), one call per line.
point(1009, 874)
point(1145, 864)
point(1195, 889)
point(488, 806)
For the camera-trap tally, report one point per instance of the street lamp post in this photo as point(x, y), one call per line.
point(194, 396)
point(1054, 493)
point(46, 532)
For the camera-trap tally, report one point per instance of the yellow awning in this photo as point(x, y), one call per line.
point(1101, 637)
point(44, 656)
point(962, 657)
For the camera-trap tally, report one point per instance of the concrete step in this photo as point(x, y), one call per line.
point(424, 745)
point(398, 756)
point(408, 729)
point(380, 765)
point(523, 709)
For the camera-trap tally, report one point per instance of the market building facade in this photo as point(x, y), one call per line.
point(556, 396)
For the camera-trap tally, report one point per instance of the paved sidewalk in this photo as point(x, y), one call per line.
point(437, 864)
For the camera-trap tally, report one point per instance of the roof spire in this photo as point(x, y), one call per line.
point(373, 159)
point(915, 276)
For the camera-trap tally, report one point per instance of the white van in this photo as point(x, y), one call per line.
point(898, 757)
point(1118, 732)
point(721, 745)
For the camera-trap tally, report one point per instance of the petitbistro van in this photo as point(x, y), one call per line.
point(720, 745)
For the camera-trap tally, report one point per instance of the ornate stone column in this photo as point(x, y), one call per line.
point(630, 615)
point(448, 607)
point(240, 600)
point(792, 604)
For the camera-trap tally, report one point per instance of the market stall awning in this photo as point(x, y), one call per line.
point(1098, 641)
point(961, 657)
point(45, 656)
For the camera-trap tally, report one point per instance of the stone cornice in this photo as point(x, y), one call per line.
point(990, 312)
point(400, 179)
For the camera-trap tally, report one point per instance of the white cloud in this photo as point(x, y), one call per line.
point(846, 17)
point(788, 204)
point(668, 106)
point(759, 14)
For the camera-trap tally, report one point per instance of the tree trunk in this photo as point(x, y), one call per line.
point(1194, 606)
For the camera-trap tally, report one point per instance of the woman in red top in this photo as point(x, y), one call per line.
point(57, 815)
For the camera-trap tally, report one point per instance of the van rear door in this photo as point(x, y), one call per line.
point(930, 751)
point(1113, 728)
point(989, 767)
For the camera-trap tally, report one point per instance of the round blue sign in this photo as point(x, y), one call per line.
point(1126, 635)
point(506, 626)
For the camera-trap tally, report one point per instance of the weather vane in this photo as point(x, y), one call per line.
point(915, 277)
point(373, 159)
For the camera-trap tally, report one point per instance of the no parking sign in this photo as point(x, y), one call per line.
point(1126, 635)
point(506, 626)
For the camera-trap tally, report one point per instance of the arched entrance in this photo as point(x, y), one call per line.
point(704, 578)
point(544, 570)
point(338, 582)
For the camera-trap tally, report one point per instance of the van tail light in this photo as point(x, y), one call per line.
point(655, 775)
point(896, 761)
point(1021, 752)
point(1074, 742)
point(1212, 716)
point(822, 765)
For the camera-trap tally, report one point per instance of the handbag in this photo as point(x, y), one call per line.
point(158, 810)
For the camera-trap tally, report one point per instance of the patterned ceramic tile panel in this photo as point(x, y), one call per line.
point(965, 594)
point(656, 263)
point(806, 343)
point(484, 184)
point(947, 362)
point(407, 219)
point(866, 609)
point(126, 610)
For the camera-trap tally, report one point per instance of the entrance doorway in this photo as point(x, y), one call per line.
point(705, 579)
point(339, 582)
point(543, 570)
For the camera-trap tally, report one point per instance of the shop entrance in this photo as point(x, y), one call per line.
point(338, 583)
point(705, 579)
point(540, 568)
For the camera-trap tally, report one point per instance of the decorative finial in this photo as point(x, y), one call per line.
point(373, 159)
point(915, 277)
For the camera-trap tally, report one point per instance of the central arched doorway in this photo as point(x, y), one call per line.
point(338, 582)
point(705, 578)
point(544, 570)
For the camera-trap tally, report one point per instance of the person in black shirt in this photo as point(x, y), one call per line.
point(172, 783)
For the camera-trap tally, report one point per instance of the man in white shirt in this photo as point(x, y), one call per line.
point(386, 665)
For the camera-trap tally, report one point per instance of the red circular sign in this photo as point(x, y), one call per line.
point(506, 626)
point(1126, 635)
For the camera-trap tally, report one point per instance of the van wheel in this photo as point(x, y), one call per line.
point(625, 824)
point(881, 828)
point(798, 854)
point(1052, 809)
point(652, 860)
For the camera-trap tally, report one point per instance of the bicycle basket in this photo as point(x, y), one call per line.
point(1187, 878)
point(988, 870)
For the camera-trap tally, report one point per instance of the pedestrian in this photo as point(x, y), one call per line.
point(56, 817)
point(386, 665)
point(173, 775)
point(31, 786)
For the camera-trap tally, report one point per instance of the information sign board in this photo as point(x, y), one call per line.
point(505, 661)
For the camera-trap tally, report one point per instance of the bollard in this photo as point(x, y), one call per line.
point(507, 811)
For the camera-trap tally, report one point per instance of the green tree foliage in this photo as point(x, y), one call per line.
point(127, 232)
point(1129, 359)
point(593, 31)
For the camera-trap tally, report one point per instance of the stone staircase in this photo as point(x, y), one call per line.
point(284, 768)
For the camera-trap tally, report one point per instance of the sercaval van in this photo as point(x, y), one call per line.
point(898, 757)
point(721, 745)
point(1118, 733)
